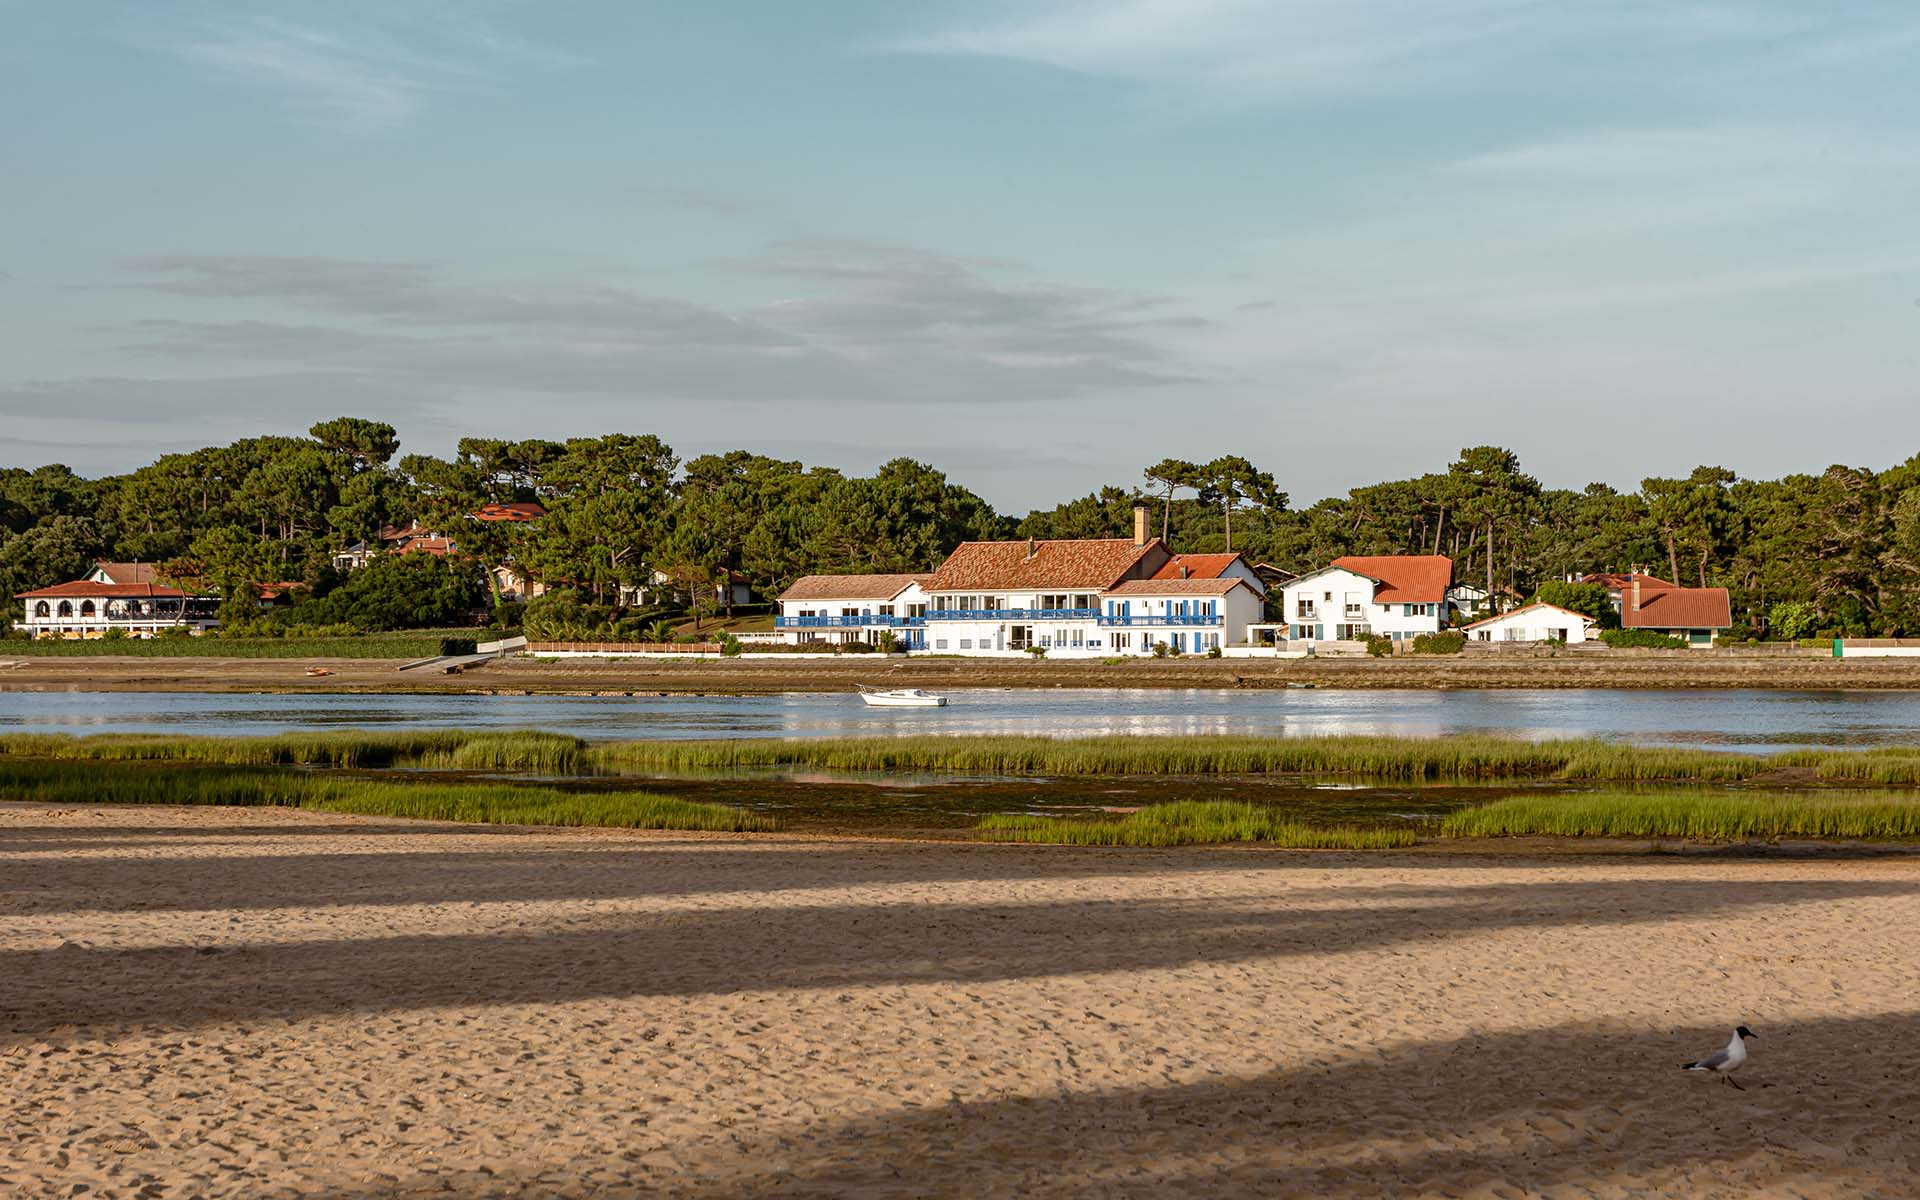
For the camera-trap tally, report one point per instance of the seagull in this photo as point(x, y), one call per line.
point(1725, 1062)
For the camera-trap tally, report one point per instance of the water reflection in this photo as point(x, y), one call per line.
point(1747, 720)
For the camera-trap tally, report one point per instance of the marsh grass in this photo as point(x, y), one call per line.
point(1716, 816)
point(1190, 822)
point(1400, 760)
point(1395, 759)
point(488, 803)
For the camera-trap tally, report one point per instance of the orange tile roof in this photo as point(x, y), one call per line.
point(126, 572)
point(1198, 566)
point(513, 511)
point(849, 587)
point(1404, 578)
point(1086, 564)
point(86, 589)
point(1663, 606)
point(1158, 586)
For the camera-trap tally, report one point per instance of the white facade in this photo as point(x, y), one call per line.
point(856, 617)
point(1131, 618)
point(1535, 623)
point(1336, 605)
point(87, 609)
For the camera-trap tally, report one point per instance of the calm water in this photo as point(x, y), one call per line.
point(1750, 720)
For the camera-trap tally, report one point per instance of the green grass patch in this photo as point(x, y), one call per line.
point(1411, 760)
point(487, 803)
point(1716, 816)
point(1187, 823)
point(406, 645)
point(1397, 759)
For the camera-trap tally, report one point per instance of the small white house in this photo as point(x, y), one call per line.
point(853, 608)
point(1535, 623)
point(1399, 596)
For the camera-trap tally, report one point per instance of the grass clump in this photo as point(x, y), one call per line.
point(487, 803)
point(521, 750)
point(1190, 822)
point(1399, 759)
point(1715, 816)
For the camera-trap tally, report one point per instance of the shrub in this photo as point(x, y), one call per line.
point(1037, 651)
point(854, 648)
point(888, 642)
point(115, 634)
point(1162, 650)
point(458, 645)
point(1451, 641)
point(730, 645)
point(1213, 652)
point(174, 633)
point(1641, 638)
point(1378, 644)
point(1792, 619)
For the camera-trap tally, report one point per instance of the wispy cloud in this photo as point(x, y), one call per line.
point(1317, 46)
point(364, 73)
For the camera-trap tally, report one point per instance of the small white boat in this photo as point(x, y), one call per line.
point(900, 698)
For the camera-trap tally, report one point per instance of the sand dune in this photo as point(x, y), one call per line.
point(261, 1003)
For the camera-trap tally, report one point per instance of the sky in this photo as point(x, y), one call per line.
point(1040, 244)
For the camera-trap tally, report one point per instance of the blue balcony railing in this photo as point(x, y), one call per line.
point(1184, 619)
point(858, 621)
point(1012, 614)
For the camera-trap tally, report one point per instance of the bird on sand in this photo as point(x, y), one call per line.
point(1725, 1062)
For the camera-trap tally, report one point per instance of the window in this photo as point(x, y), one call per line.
point(66, 608)
point(916, 610)
point(939, 643)
point(1122, 641)
point(885, 610)
point(1306, 612)
point(966, 643)
point(42, 610)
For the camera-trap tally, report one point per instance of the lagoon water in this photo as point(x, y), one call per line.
point(1745, 720)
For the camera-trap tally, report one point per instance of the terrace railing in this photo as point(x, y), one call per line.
point(857, 621)
point(1012, 614)
point(1164, 620)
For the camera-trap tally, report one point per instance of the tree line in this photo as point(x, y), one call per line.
point(1838, 550)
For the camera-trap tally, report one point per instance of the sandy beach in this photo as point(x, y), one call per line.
point(266, 1003)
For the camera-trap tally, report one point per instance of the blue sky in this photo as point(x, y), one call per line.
point(1040, 244)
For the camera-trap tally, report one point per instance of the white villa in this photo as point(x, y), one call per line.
point(1081, 597)
point(853, 608)
point(1399, 596)
point(88, 608)
point(1535, 623)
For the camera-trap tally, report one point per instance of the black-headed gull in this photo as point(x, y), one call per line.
point(1725, 1062)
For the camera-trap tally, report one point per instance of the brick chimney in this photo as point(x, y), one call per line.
point(1633, 597)
point(1033, 548)
point(1141, 523)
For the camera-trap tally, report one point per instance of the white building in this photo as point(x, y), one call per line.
point(88, 608)
point(1399, 596)
point(853, 608)
point(1087, 597)
point(1535, 623)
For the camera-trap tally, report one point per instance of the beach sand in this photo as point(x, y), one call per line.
point(263, 1003)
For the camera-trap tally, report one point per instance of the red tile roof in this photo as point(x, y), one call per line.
point(1158, 586)
point(849, 587)
point(1663, 606)
point(1404, 578)
point(1610, 580)
point(1198, 566)
point(1082, 564)
point(86, 589)
point(124, 572)
point(514, 511)
point(436, 546)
